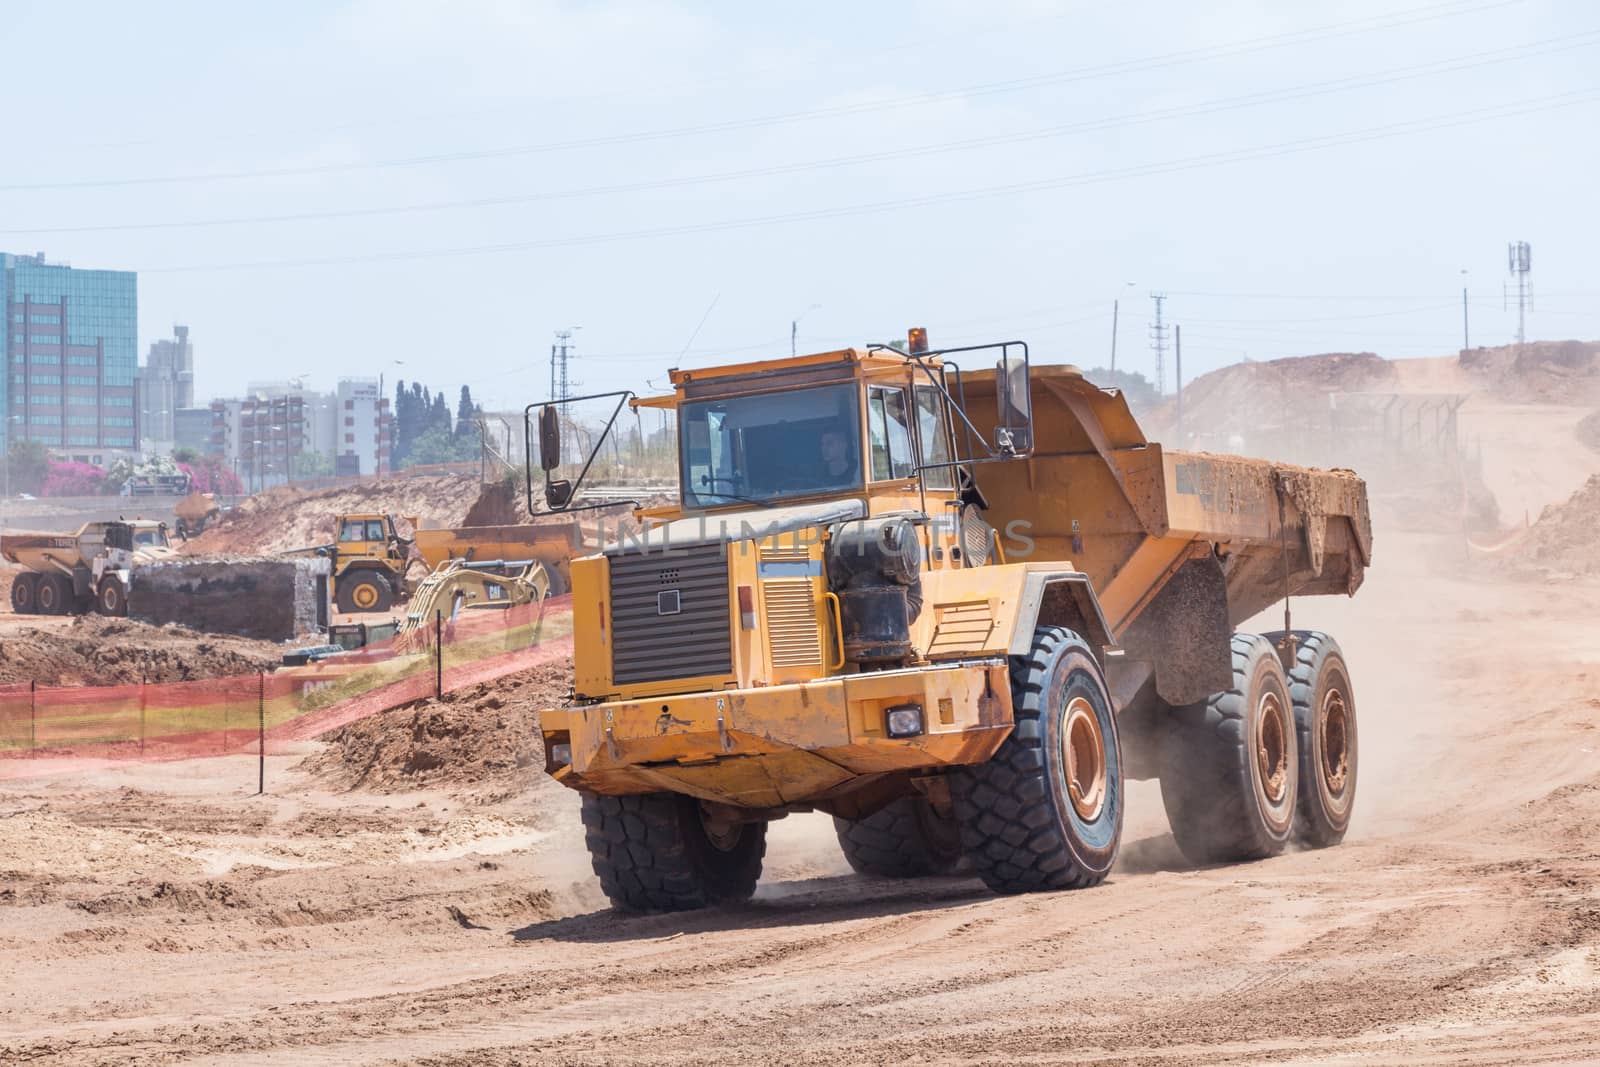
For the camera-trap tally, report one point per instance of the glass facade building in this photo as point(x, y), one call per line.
point(71, 352)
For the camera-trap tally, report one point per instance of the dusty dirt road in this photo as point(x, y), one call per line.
point(162, 915)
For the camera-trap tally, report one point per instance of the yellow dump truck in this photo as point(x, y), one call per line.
point(91, 570)
point(957, 611)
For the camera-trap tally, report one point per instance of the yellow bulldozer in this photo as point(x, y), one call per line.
point(956, 609)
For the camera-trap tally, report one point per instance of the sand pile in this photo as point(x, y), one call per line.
point(1552, 372)
point(1564, 539)
point(95, 650)
point(483, 739)
point(1243, 406)
point(286, 518)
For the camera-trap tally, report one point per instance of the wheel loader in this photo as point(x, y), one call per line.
point(956, 601)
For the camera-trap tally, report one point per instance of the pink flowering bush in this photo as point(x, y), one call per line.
point(72, 479)
point(211, 477)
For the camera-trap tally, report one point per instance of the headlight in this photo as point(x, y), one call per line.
point(561, 754)
point(904, 720)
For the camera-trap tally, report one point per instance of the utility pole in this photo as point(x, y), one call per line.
point(1113, 338)
point(1158, 341)
point(1519, 258)
point(794, 329)
point(1177, 359)
point(1466, 334)
point(561, 381)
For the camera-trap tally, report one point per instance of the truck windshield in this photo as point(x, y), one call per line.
point(753, 449)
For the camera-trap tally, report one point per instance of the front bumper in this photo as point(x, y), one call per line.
point(782, 745)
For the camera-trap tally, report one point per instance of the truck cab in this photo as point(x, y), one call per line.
point(369, 563)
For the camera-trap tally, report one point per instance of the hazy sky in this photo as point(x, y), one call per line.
point(328, 188)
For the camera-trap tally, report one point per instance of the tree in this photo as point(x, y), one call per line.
point(466, 413)
point(439, 445)
point(312, 465)
point(27, 463)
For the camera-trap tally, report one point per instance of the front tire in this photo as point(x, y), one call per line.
point(904, 839)
point(112, 599)
point(1229, 766)
point(1045, 812)
point(364, 592)
point(1325, 720)
point(25, 593)
point(660, 852)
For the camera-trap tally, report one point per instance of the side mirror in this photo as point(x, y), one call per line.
point(1014, 412)
point(557, 494)
point(549, 437)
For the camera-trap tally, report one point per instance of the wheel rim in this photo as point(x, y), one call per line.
point(1083, 751)
point(47, 598)
point(1272, 748)
point(1335, 742)
point(365, 595)
point(723, 834)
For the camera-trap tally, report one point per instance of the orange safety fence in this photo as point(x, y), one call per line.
point(45, 725)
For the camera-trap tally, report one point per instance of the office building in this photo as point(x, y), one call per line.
point(71, 352)
point(362, 428)
point(165, 387)
point(191, 429)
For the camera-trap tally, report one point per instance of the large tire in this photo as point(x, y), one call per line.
point(360, 592)
point(1045, 812)
point(904, 839)
point(655, 852)
point(25, 593)
point(54, 595)
point(1228, 764)
point(1325, 720)
point(111, 599)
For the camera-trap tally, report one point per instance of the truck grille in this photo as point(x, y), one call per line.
point(791, 609)
point(669, 615)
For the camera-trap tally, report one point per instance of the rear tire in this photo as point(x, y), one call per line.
point(904, 839)
point(54, 595)
point(1229, 766)
point(25, 593)
point(658, 852)
point(111, 600)
point(1045, 812)
point(1325, 719)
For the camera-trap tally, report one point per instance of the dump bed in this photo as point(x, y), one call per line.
point(1131, 514)
point(43, 552)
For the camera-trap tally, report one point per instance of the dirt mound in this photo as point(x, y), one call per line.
point(286, 518)
point(481, 739)
point(98, 651)
point(1248, 401)
point(1563, 540)
point(1553, 372)
point(1588, 431)
point(497, 505)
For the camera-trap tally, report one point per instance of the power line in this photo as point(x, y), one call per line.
point(1359, 26)
point(1536, 49)
point(1567, 99)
